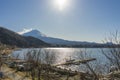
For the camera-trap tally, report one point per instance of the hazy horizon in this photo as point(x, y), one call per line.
point(77, 20)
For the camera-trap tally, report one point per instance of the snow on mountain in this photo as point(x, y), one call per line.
point(38, 34)
point(34, 33)
point(25, 31)
point(51, 40)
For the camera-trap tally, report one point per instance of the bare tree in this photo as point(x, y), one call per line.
point(88, 67)
point(32, 58)
point(112, 53)
point(41, 61)
point(49, 59)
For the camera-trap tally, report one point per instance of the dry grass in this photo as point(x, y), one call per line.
point(5, 78)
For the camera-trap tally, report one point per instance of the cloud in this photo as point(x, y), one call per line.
point(24, 31)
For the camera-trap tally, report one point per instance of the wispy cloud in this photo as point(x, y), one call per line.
point(25, 30)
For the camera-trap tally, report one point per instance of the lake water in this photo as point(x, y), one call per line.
point(63, 54)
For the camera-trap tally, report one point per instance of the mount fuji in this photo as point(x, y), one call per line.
point(54, 41)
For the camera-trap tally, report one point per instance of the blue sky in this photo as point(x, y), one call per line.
point(82, 20)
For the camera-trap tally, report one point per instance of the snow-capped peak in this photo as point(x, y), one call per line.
point(36, 32)
point(32, 32)
point(24, 31)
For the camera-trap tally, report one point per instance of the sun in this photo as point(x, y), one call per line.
point(61, 4)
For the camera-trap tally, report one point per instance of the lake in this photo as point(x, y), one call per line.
point(63, 54)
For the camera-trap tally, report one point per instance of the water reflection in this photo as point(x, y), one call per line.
point(63, 54)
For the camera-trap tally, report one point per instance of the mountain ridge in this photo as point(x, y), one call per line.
point(57, 41)
point(12, 38)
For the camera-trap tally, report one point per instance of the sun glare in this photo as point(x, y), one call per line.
point(61, 4)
